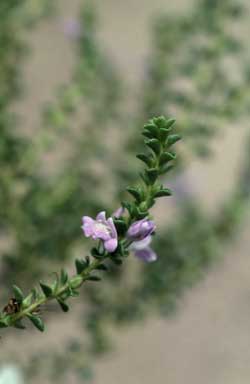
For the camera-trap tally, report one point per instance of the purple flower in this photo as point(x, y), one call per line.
point(119, 212)
point(101, 229)
point(142, 250)
point(140, 229)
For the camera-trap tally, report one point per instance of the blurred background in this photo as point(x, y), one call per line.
point(78, 79)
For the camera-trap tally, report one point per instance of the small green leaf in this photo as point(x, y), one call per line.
point(18, 294)
point(80, 266)
point(102, 267)
point(37, 322)
point(145, 158)
point(160, 121)
point(164, 134)
point(34, 293)
point(63, 305)
point(136, 193)
point(167, 156)
point(152, 175)
point(166, 168)
point(129, 207)
point(163, 192)
point(172, 139)
point(46, 289)
point(141, 214)
point(27, 301)
point(93, 278)
point(148, 134)
point(151, 127)
point(169, 123)
point(154, 145)
point(55, 284)
point(63, 277)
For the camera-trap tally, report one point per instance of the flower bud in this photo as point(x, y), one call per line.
point(140, 229)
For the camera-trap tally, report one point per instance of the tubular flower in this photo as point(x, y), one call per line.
point(101, 228)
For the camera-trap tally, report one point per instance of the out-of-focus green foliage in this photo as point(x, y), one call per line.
point(197, 70)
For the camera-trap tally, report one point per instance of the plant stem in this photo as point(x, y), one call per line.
point(44, 299)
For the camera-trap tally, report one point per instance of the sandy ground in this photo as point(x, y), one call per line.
point(207, 342)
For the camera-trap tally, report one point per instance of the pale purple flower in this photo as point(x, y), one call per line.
point(140, 229)
point(101, 228)
point(119, 212)
point(143, 251)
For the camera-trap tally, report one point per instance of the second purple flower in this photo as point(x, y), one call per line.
point(140, 229)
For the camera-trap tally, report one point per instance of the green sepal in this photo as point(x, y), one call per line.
point(145, 158)
point(121, 226)
point(18, 294)
point(63, 305)
point(167, 124)
point(46, 289)
point(37, 322)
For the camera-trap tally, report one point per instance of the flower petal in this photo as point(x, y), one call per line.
point(112, 227)
point(137, 245)
point(111, 245)
point(101, 216)
point(146, 254)
point(88, 226)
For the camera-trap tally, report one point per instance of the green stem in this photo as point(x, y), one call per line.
point(43, 300)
